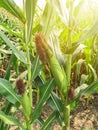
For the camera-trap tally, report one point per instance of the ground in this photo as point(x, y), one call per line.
point(84, 117)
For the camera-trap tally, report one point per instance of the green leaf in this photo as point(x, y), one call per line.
point(8, 29)
point(46, 90)
point(7, 90)
point(21, 56)
point(72, 49)
point(78, 8)
point(79, 89)
point(87, 52)
point(77, 51)
point(4, 51)
point(26, 104)
point(36, 67)
point(93, 72)
point(92, 88)
point(48, 18)
point(83, 79)
point(85, 128)
point(59, 6)
point(91, 32)
point(86, 90)
point(14, 9)
point(12, 59)
point(59, 74)
point(39, 82)
point(74, 104)
point(10, 120)
point(78, 67)
point(55, 103)
point(29, 12)
point(40, 121)
point(55, 45)
point(48, 122)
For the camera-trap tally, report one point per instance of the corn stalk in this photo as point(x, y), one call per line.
point(45, 53)
point(29, 8)
point(68, 66)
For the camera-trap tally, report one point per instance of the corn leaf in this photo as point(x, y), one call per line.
point(55, 45)
point(29, 9)
point(93, 72)
point(13, 8)
point(77, 51)
point(46, 90)
point(10, 120)
point(55, 103)
point(78, 8)
point(40, 121)
point(87, 90)
point(21, 56)
point(48, 18)
point(48, 122)
point(91, 32)
point(78, 66)
point(7, 90)
point(11, 61)
point(8, 29)
point(36, 67)
point(59, 6)
point(72, 49)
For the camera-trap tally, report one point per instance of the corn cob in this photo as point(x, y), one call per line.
point(46, 56)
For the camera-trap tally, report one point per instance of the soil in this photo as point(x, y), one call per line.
point(86, 114)
point(84, 117)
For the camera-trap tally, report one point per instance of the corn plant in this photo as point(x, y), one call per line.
point(19, 92)
point(26, 93)
point(62, 77)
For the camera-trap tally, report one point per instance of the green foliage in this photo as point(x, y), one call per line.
point(48, 122)
point(10, 120)
point(11, 6)
point(8, 91)
point(49, 86)
point(36, 67)
point(72, 61)
point(20, 55)
point(29, 9)
point(48, 19)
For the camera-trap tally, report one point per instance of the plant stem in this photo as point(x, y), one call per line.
point(30, 127)
point(29, 74)
point(68, 68)
point(69, 56)
point(66, 107)
point(29, 83)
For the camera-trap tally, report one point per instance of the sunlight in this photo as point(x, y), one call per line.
point(49, 64)
point(41, 3)
point(19, 2)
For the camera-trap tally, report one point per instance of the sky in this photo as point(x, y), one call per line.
point(89, 4)
point(41, 3)
point(19, 2)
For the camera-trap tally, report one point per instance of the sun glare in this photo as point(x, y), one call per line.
point(41, 3)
